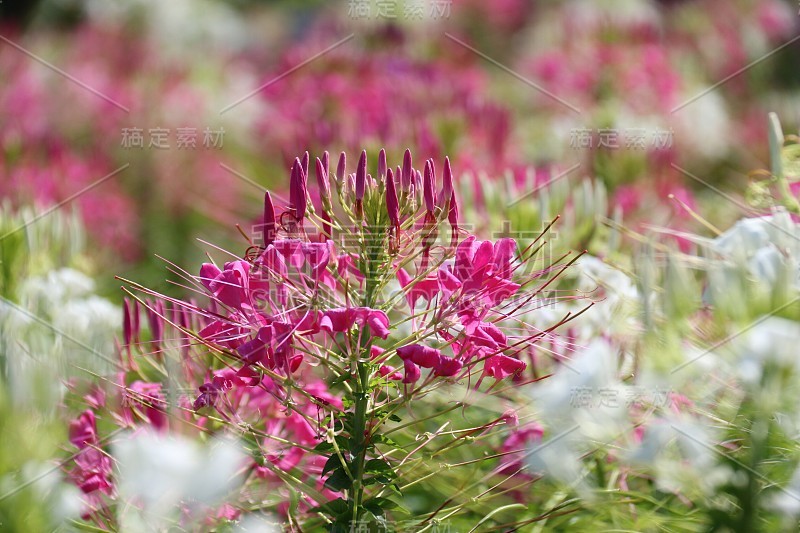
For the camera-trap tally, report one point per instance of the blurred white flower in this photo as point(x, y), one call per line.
point(680, 453)
point(585, 392)
point(58, 326)
point(583, 405)
point(162, 473)
point(254, 523)
point(703, 125)
point(758, 258)
point(177, 25)
point(771, 341)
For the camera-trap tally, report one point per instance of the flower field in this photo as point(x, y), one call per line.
point(400, 266)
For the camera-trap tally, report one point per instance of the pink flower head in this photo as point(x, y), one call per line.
point(389, 373)
point(501, 366)
point(342, 319)
point(298, 190)
point(448, 366)
point(229, 286)
point(424, 356)
point(83, 430)
point(484, 269)
point(412, 372)
point(417, 288)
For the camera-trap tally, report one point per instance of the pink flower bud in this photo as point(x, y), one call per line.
point(135, 320)
point(447, 184)
point(127, 326)
point(341, 168)
point(382, 167)
point(452, 215)
point(324, 185)
point(305, 162)
point(298, 191)
point(406, 176)
point(269, 220)
point(392, 205)
point(361, 176)
point(155, 312)
point(326, 162)
point(427, 187)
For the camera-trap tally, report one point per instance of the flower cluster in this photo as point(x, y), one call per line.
point(349, 305)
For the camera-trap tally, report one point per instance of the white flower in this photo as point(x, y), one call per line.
point(763, 245)
point(680, 452)
point(159, 473)
point(585, 394)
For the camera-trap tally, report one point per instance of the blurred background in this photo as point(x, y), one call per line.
point(161, 122)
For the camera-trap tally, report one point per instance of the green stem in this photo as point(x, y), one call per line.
point(359, 438)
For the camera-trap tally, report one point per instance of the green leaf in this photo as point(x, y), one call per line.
point(324, 447)
point(338, 481)
point(333, 508)
point(373, 507)
point(378, 466)
point(332, 463)
point(382, 439)
point(383, 503)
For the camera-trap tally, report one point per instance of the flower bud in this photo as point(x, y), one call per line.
point(361, 176)
point(447, 184)
point(324, 185)
point(392, 205)
point(305, 163)
point(326, 162)
point(452, 214)
point(341, 168)
point(127, 326)
point(427, 187)
point(298, 191)
point(269, 220)
point(382, 166)
point(406, 176)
